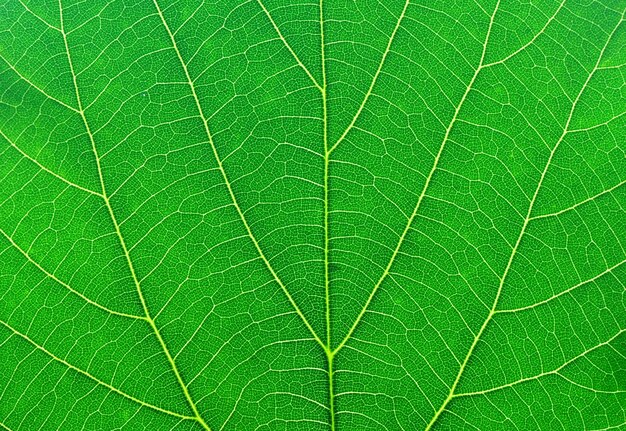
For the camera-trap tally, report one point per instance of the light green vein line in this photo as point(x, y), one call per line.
point(612, 427)
point(614, 66)
point(424, 189)
point(326, 174)
point(95, 379)
point(531, 41)
point(38, 17)
point(604, 123)
point(331, 390)
point(547, 373)
point(5, 427)
point(62, 283)
point(374, 79)
point(492, 312)
point(32, 84)
point(43, 168)
point(592, 198)
point(328, 349)
point(590, 388)
point(295, 56)
point(566, 291)
point(131, 267)
point(228, 185)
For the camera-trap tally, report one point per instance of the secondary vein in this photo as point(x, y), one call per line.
point(527, 219)
point(45, 169)
point(95, 379)
point(374, 79)
point(422, 194)
point(118, 232)
point(293, 53)
point(228, 184)
point(64, 284)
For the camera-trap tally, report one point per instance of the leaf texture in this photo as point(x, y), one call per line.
point(302, 215)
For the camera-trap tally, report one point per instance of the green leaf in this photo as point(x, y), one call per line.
point(301, 215)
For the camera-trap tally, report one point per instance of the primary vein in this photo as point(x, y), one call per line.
point(328, 349)
point(118, 232)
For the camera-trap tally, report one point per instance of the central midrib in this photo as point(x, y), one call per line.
point(328, 349)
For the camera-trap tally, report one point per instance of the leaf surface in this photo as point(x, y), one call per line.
point(302, 215)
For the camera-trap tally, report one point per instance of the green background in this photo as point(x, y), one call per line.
point(291, 215)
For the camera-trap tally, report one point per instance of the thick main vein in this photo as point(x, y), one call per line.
point(328, 349)
point(424, 189)
point(527, 219)
point(227, 182)
point(118, 232)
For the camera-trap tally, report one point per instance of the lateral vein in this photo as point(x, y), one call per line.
point(228, 184)
point(293, 53)
point(118, 232)
point(64, 284)
point(547, 373)
point(36, 87)
point(493, 310)
point(422, 194)
point(95, 379)
point(374, 79)
point(45, 169)
point(564, 292)
point(576, 205)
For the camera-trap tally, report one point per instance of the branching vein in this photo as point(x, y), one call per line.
point(95, 379)
point(228, 183)
point(422, 194)
point(493, 310)
point(118, 232)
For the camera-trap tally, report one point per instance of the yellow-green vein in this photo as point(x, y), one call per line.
point(62, 283)
point(374, 79)
point(328, 349)
point(546, 373)
point(227, 182)
point(118, 232)
point(576, 205)
point(45, 169)
point(95, 379)
point(424, 189)
point(527, 219)
point(36, 87)
point(290, 49)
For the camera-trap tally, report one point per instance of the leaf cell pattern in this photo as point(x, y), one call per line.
point(312, 215)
